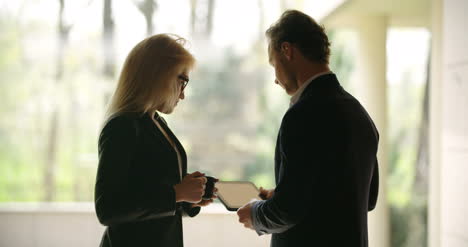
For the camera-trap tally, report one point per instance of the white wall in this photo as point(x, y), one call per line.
point(70, 225)
point(454, 199)
point(450, 170)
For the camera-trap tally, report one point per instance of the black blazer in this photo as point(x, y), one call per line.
point(326, 171)
point(134, 195)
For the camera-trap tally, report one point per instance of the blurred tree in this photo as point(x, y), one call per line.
point(270, 111)
point(214, 109)
point(417, 209)
point(63, 30)
point(341, 57)
point(147, 8)
point(284, 5)
point(407, 196)
point(108, 40)
point(201, 18)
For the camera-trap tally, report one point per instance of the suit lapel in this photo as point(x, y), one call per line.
point(277, 158)
point(179, 146)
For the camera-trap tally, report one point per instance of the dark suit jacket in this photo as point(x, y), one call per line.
point(134, 195)
point(326, 171)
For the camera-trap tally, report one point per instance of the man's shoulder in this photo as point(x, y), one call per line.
point(301, 115)
point(305, 107)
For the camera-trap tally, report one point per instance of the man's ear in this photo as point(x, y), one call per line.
point(287, 50)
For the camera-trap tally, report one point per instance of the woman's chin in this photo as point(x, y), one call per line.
point(169, 111)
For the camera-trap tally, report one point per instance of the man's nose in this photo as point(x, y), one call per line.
point(182, 95)
point(276, 81)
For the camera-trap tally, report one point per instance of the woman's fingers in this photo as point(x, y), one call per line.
point(203, 203)
point(196, 174)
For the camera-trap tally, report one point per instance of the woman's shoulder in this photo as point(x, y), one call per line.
point(122, 130)
point(123, 122)
point(123, 117)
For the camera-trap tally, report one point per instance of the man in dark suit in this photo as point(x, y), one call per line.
point(326, 167)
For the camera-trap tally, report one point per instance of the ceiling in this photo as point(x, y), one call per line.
point(399, 12)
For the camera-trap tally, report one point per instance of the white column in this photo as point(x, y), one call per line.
point(371, 92)
point(435, 146)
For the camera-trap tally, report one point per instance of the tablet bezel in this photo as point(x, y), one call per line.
point(220, 197)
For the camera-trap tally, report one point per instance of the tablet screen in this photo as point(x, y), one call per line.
point(236, 194)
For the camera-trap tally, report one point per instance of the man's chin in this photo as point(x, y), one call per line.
point(290, 91)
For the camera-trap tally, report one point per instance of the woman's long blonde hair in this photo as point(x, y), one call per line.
point(147, 82)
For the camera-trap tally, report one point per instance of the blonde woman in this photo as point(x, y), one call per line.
point(142, 186)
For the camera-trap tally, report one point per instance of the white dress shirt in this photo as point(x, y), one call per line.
point(299, 91)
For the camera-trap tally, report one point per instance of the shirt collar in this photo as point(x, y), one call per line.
point(300, 90)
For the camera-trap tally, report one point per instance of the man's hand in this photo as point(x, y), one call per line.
point(266, 194)
point(245, 216)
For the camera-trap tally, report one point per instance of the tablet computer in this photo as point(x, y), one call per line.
point(236, 194)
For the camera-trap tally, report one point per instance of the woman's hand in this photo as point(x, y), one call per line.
point(266, 194)
point(191, 188)
point(204, 202)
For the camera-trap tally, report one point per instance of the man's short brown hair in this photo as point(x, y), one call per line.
point(303, 32)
